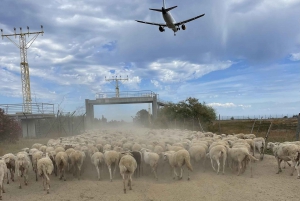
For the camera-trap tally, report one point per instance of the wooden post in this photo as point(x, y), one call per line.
point(298, 128)
point(266, 138)
point(200, 126)
point(219, 125)
point(253, 126)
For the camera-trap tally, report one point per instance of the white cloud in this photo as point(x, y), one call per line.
point(295, 56)
point(178, 71)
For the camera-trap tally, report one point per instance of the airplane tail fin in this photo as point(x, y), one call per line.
point(163, 9)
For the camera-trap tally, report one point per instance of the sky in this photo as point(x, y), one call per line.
point(242, 58)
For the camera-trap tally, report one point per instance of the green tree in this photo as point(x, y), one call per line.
point(189, 108)
point(142, 117)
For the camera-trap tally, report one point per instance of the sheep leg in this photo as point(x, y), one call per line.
point(114, 170)
point(79, 172)
point(36, 177)
point(47, 184)
point(7, 177)
point(130, 181)
point(218, 162)
point(240, 168)
point(98, 172)
point(175, 173)
point(154, 171)
point(19, 176)
point(44, 182)
point(224, 163)
point(293, 168)
point(26, 177)
point(1, 186)
point(109, 169)
point(279, 168)
point(181, 172)
point(124, 182)
point(212, 164)
point(204, 164)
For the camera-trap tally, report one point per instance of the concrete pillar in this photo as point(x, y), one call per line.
point(28, 128)
point(154, 107)
point(89, 108)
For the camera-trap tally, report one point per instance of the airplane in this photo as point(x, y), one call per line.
point(170, 22)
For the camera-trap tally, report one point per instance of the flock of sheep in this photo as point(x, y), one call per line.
point(133, 150)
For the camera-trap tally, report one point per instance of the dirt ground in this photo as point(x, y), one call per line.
point(265, 185)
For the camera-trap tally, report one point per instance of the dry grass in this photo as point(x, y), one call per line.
point(6, 147)
point(282, 129)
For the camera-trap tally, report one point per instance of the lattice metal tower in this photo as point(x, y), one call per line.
point(117, 84)
point(23, 46)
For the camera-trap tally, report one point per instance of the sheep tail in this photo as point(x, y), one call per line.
point(252, 157)
point(188, 163)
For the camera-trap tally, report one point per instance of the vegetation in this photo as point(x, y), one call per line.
point(10, 129)
point(186, 114)
point(143, 117)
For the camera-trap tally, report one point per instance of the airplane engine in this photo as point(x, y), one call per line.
point(161, 29)
point(183, 27)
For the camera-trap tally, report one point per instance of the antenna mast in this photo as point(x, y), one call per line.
point(23, 46)
point(116, 79)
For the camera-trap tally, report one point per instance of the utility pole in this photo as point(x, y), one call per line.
point(116, 79)
point(23, 46)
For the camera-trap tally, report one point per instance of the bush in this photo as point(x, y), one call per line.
point(10, 129)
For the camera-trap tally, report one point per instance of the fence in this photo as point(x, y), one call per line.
point(244, 117)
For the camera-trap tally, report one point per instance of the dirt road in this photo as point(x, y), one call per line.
point(265, 185)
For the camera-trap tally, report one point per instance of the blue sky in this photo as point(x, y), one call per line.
point(242, 57)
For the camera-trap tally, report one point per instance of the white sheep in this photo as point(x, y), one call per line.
point(10, 160)
point(3, 172)
point(178, 159)
point(45, 168)
point(151, 159)
point(22, 167)
point(215, 153)
point(287, 152)
point(76, 158)
point(260, 146)
point(97, 159)
point(127, 167)
point(240, 155)
point(198, 153)
point(35, 157)
point(61, 161)
point(111, 157)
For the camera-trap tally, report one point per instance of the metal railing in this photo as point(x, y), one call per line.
point(126, 94)
point(37, 108)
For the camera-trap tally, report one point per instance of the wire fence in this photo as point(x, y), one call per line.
point(245, 117)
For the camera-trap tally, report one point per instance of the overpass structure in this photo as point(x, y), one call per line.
point(38, 111)
point(127, 97)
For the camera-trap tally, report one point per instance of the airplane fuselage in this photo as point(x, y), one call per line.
point(169, 21)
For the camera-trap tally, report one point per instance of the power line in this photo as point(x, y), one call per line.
point(23, 46)
point(116, 79)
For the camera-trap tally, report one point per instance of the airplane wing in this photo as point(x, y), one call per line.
point(151, 23)
point(186, 21)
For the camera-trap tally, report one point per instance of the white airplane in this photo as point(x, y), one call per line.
point(170, 22)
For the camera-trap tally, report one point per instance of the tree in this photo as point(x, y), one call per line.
point(9, 128)
point(142, 117)
point(189, 108)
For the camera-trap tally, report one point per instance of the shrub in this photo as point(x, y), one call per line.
point(10, 129)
